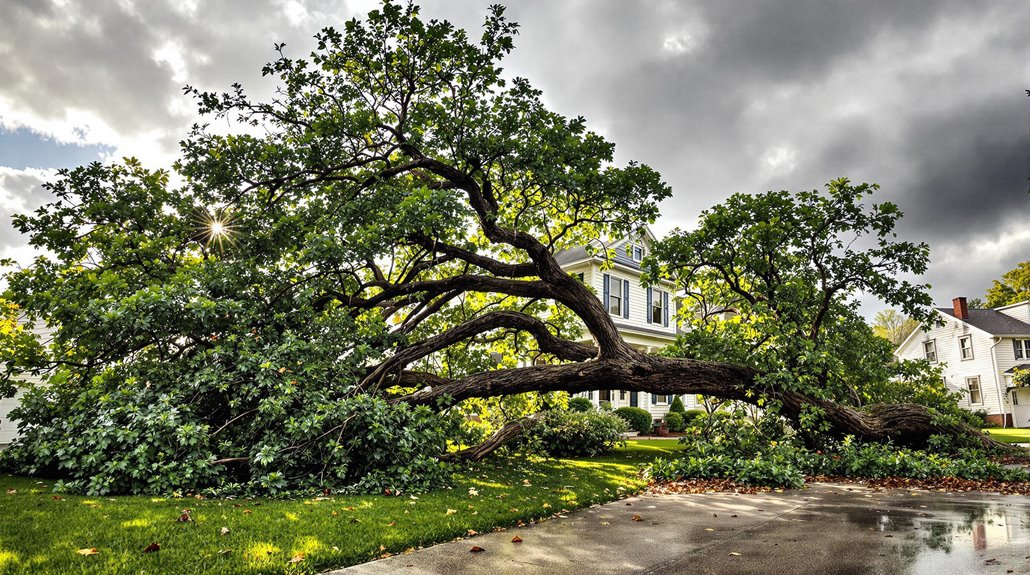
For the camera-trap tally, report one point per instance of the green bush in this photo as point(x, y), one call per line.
point(574, 434)
point(637, 418)
point(691, 415)
point(785, 463)
point(580, 404)
point(675, 422)
point(677, 406)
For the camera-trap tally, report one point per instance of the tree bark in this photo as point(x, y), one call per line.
point(509, 431)
point(906, 424)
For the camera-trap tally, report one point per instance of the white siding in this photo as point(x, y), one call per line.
point(637, 300)
point(8, 431)
point(1020, 311)
point(955, 369)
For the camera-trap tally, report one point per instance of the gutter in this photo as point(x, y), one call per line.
point(997, 384)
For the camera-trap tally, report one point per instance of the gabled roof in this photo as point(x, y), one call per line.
point(580, 253)
point(991, 321)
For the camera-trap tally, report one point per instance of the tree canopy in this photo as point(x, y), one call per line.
point(308, 307)
point(1013, 287)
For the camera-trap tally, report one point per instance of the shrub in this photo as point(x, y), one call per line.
point(675, 422)
point(691, 415)
point(580, 404)
point(785, 463)
point(677, 406)
point(574, 433)
point(604, 406)
point(637, 418)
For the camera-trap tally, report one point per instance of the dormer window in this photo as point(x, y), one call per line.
point(637, 252)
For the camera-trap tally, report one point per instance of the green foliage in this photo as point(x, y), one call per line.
point(675, 422)
point(893, 326)
point(765, 454)
point(772, 282)
point(677, 406)
point(1014, 287)
point(692, 415)
point(574, 434)
point(637, 417)
point(580, 404)
point(1021, 378)
point(218, 335)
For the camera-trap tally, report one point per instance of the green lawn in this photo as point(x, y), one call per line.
point(42, 532)
point(1010, 435)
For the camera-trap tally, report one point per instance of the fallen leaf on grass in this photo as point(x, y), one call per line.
point(391, 524)
point(224, 551)
point(223, 531)
point(296, 558)
point(247, 511)
point(471, 533)
point(451, 512)
point(476, 549)
point(184, 517)
point(516, 539)
point(12, 491)
point(152, 547)
point(637, 518)
point(88, 551)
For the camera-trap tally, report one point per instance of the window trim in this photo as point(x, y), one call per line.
point(657, 306)
point(1021, 348)
point(615, 294)
point(962, 350)
point(926, 355)
point(979, 390)
point(633, 252)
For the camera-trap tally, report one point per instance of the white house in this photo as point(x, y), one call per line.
point(8, 428)
point(644, 316)
point(979, 350)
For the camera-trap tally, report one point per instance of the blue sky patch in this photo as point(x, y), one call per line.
point(21, 149)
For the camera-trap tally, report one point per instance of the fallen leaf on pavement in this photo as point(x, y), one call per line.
point(734, 553)
point(637, 518)
point(476, 549)
point(516, 539)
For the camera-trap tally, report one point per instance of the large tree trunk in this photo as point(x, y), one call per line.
point(905, 424)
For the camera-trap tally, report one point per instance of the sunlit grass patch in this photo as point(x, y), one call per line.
point(42, 532)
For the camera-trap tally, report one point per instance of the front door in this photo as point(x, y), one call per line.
point(1020, 407)
point(633, 399)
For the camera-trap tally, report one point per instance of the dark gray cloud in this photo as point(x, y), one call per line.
point(925, 98)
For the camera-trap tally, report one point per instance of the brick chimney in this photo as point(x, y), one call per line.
point(961, 311)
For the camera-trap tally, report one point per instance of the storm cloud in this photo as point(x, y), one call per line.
point(925, 98)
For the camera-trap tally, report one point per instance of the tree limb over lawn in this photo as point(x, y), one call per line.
point(385, 222)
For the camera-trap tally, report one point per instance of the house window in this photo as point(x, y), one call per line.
point(657, 308)
point(622, 395)
point(975, 397)
point(930, 350)
point(604, 395)
point(638, 253)
point(615, 302)
point(965, 346)
point(1021, 348)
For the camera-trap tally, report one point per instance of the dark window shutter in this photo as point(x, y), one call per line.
point(625, 299)
point(650, 303)
point(654, 399)
point(665, 308)
point(607, 290)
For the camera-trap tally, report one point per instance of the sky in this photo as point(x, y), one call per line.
point(925, 98)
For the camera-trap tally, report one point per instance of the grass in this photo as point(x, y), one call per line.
point(42, 532)
point(1010, 435)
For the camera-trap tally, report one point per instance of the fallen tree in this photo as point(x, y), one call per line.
point(310, 305)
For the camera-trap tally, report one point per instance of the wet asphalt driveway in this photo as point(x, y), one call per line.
point(823, 530)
